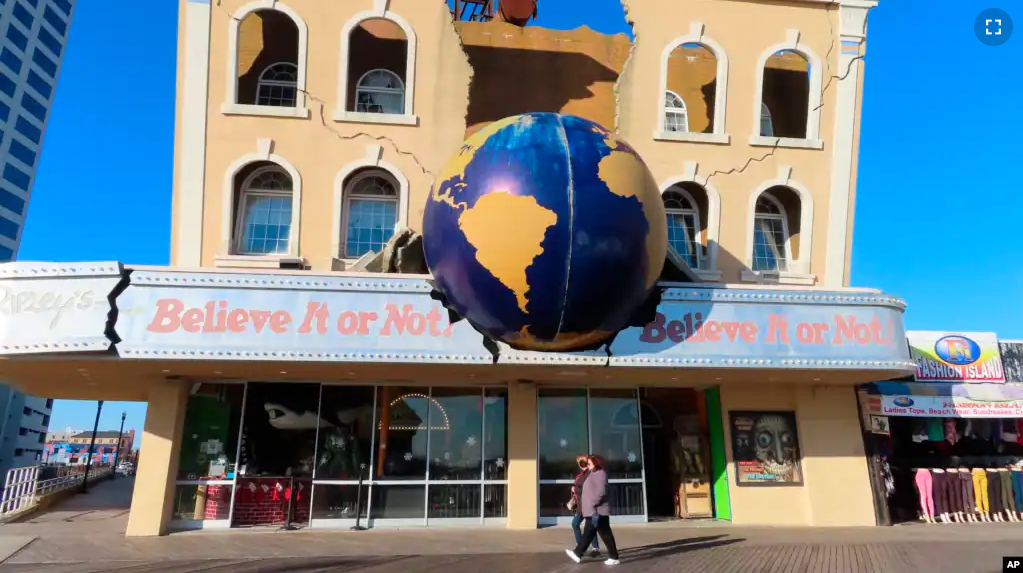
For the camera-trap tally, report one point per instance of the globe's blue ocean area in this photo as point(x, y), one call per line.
point(592, 264)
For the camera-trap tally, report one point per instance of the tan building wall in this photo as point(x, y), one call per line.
point(468, 74)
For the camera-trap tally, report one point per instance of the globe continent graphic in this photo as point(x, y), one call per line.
point(545, 232)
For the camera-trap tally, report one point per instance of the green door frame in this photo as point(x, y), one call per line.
point(718, 462)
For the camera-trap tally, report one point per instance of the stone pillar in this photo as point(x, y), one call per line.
point(151, 503)
point(846, 83)
point(523, 500)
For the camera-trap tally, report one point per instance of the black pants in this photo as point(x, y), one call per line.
point(994, 492)
point(590, 533)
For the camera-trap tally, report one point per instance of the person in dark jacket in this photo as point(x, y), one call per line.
point(574, 507)
point(596, 512)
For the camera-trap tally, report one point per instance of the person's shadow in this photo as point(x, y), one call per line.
point(676, 547)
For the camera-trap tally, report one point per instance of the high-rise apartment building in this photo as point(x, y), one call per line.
point(31, 49)
point(34, 35)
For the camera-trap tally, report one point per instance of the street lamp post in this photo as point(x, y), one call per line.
point(92, 444)
point(117, 452)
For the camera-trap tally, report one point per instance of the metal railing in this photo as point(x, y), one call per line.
point(23, 489)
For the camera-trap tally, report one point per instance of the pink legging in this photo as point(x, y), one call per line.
point(925, 487)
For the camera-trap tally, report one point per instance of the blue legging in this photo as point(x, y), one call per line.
point(1017, 489)
point(577, 520)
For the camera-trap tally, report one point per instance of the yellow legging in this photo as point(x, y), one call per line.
point(980, 490)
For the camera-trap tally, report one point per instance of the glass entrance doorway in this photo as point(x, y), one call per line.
point(655, 441)
point(676, 453)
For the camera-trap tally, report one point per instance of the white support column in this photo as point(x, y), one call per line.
point(192, 146)
point(853, 34)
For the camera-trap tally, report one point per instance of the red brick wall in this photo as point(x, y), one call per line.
point(218, 502)
point(261, 509)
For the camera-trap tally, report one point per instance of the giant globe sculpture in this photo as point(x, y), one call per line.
point(545, 232)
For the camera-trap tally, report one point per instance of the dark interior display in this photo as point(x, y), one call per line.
point(279, 433)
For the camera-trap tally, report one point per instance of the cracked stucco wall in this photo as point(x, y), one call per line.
point(737, 169)
point(320, 147)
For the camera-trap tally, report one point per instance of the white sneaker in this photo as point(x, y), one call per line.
point(612, 562)
point(571, 555)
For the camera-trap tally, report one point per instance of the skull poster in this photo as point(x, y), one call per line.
point(765, 447)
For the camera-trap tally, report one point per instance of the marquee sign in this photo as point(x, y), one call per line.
point(199, 316)
point(764, 329)
point(56, 307)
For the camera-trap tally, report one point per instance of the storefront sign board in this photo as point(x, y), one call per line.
point(55, 307)
point(950, 407)
point(748, 329)
point(765, 447)
point(956, 356)
point(197, 316)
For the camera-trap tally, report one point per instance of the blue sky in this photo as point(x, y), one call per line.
point(938, 204)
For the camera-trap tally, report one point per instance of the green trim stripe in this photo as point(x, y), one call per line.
point(718, 465)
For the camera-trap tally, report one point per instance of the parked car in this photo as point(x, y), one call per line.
point(126, 469)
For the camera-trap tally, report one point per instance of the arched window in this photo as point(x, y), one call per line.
point(264, 218)
point(770, 235)
point(371, 212)
point(278, 85)
point(675, 116)
point(766, 125)
point(380, 91)
point(683, 225)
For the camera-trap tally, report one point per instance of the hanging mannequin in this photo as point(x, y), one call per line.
point(980, 493)
point(925, 490)
point(955, 496)
point(969, 498)
point(994, 492)
point(940, 494)
point(1008, 503)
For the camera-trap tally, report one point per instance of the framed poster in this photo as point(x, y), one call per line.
point(765, 448)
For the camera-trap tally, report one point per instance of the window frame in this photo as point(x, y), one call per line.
point(697, 35)
point(786, 261)
point(679, 110)
point(408, 116)
point(359, 89)
point(261, 82)
point(244, 192)
point(765, 113)
point(695, 212)
point(348, 196)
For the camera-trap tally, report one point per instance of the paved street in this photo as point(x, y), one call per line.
point(86, 535)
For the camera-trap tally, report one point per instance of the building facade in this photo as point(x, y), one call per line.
point(280, 375)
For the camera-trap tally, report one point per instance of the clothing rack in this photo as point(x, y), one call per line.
point(969, 494)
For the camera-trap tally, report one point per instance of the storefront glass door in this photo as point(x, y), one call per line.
point(573, 422)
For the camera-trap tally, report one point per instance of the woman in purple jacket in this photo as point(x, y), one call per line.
point(596, 512)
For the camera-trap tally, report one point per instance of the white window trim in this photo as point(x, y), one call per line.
point(379, 11)
point(813, 111)
point(782, 216)
point(765, 112)
point(260, 82)
point(695, 212)
point(371, 160)
point(711, 273)
point(226, 256)
point(696, 35)
point(798, 271)
point(231, 105)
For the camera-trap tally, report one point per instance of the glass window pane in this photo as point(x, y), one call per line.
point(280, 429)
point(625, 498)
point(562, 432)
point(616, 433)
point(553, 498)
point(339, 501)
point(201, 502)
point(454, 501)
point(209, 440)
point(495, 440)
point(495, 500)
point(456, 444)
point(402, 421)
point(398, 502)
point(346, 436)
